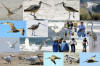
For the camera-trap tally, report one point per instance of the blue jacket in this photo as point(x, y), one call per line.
point(64, 46)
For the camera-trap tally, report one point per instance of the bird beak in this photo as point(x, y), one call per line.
point(58, 4)
point(14, 56)
point(43, 25)
point(46, 4)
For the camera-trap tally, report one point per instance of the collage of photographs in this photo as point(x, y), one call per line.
point(49, 32)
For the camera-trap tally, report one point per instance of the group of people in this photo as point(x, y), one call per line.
point(74, 25)
point(62, 46)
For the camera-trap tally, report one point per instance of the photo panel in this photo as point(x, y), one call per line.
point(9, 28)
point(11, 10)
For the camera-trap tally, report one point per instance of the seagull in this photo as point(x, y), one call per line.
point(44, 42)
point(53, 58)
point(12, 45)
point(13, 11)
point(34, 8)
point(90, 6)
point(34, 27)
point(8, 58)
point(91, 60)
point(13, 28)
point(69, 9)
point(33, 59)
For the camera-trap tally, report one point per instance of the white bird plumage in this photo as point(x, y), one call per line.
point(8, 58)
point(12, 45)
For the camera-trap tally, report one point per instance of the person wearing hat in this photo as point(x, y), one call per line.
point(55, 46)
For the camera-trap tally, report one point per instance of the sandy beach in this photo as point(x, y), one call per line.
point(16, 61)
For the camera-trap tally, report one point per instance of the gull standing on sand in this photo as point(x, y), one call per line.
point(8, 58)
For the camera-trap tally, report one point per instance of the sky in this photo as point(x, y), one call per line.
point(4, 28)
point(47, 62)
point(85, 56)
point(4, 45)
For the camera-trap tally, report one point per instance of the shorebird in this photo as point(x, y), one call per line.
point(12, 45)
point(91, 60)
point(33, 59)
point(90, 6)
point(11, 12)
point(13, 28)
point(34, 27)
point(53, 58)
point(8, 58)
point(69, 9)
point(71, 59)
point(43, 43)
point(34, 8)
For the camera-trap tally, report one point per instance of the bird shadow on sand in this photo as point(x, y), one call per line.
point(41, 19)
point(37, 63)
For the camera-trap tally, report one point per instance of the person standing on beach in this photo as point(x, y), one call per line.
point(73, 43)
point(55, 46)
point(84, 44)
point(81, 31)
point(59, 44)
point(64, 46)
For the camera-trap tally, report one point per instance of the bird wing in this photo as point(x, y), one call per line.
point(11, 25)
point(92, 58)
point(56, 57)
point(6, 8)
point(72, 9)
point(32, 7)
point(53, 61)
point(17, 8)
point(21, 31)
point(41, 44)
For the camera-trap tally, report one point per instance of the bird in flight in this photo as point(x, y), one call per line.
point(12, 45)
point(53, 58)
point(91, 60)
point(13, 28)
point(11, 12)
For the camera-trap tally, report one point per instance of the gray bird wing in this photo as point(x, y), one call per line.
point(32, 7)
point(17, 8)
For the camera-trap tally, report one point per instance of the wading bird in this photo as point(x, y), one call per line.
point(34, 27)
point(34, 8)
point(13, 28)
point(90, 6)
point(69, 9)
point(43, 43)
point(53, 58)
point(11, 12)
point(91, 60)
point(8, 58)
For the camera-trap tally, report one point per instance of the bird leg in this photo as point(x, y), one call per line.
point(73, 15)
point(33, 33)
point(34, 16)
point(69, 14)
